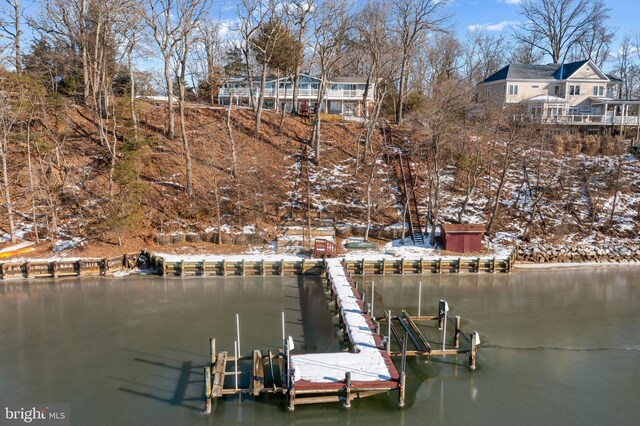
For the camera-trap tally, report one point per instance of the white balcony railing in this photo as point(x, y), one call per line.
point(303, 93)
point(582, 119)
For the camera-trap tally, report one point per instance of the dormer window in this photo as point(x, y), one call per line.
point(574, 90)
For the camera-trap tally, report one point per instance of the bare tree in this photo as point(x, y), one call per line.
point(595, 43)
point(413, 20)
point(250, 16)
point(330, 25)
point(556, 26)
point(168, 21)
point(301, 11)
point(270, 33)
point(66, 22)
point(192, 12)
point(11, 14)
point(628, 68)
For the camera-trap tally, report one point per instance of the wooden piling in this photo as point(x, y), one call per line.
point(282, 267)
point(403, 377)
point(292, 398)
point(27, 269)
point(473, 351)
point(212, 350)
point(456, 336)
point(262, 269)
point(207, 392)
point(439, 265)
point(402, 266)
point(182, 267)
point(347, 389)
point(54, 269)
point(459, 265)
point(421, 269)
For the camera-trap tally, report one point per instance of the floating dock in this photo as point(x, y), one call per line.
point(366, 369)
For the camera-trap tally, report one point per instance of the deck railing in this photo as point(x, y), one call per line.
point(580, 119)
point(304, 93)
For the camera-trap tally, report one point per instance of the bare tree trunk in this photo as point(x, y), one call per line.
point(169, 82)
point(132, 97)
point(369, 203)
point(7, 192)
point(263, 82)
point(401, 88)
point(31, 185)
point(185, 142)
point(230, 133)
point(617, 190)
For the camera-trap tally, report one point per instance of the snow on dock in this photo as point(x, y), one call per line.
point(367, 363)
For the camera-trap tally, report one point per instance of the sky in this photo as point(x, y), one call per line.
point(495, 15)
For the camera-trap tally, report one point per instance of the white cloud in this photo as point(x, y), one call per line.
point(492, 27)
point(510, 1)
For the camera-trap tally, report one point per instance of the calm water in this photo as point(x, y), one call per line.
point(558, 347)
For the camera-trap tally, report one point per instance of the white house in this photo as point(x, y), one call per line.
point(344, 95)
point(577, 93)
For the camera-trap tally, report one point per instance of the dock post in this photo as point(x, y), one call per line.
point(421, 266)
point(419, 298)
point(212, 350)
point(384, 267)
point(456, 336)
point(440, 313)
point(54, 269)
point(459, 265)
point(493, 265)
point(224, 268)
point(292, 398)
point(403, 377)
point(363, 268)
point(238, 331)
point(104, 265)
point(302, 267)
point(389, 333)
point(282, 268)
point(207, 390)
point(402, 266)
point(373, 296)
point(79, 268)
point(347, 389)
point(243, 267)
point(27, 269)
point(235, 359)
point(475, 340)
point(439, 265)
point(478, 265)
point(262, 272)
point(182, 267)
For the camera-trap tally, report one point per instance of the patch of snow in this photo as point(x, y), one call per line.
point(75, 242)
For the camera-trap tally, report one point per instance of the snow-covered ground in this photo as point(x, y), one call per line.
point(366, 364)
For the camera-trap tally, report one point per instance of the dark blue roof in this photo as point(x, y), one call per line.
point(567, 70)
point(539, 72)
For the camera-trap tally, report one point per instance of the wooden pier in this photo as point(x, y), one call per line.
point(365, 370)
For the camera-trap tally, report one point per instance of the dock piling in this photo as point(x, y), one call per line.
point(207, 391)
point(419, 297)
point(238, 331)
point(347, 389)
point(456, 336)
point(212, 350)
point(403, 376)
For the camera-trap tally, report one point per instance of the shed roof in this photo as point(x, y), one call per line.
point(463, 228)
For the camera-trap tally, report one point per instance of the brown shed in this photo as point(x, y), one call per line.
point(462, 238)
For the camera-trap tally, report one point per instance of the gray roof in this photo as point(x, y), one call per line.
point(539, 72)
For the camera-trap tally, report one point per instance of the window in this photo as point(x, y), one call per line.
point(535, 86)
point(556, 90)
point(574, 90)
point(573, 110)
point(609, 92)
point(513, 89)
point(598, 90)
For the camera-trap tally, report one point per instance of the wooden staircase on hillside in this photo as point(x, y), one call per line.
point(407, 182)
